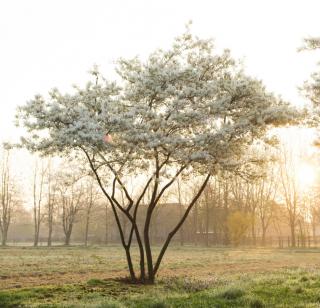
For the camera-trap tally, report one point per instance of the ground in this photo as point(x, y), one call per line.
point(189, 277)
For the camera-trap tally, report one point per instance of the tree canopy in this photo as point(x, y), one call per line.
point(187, 101)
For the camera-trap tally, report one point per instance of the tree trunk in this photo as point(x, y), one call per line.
point(87, 230)
point(314, 233)
point(4, 237)
point(67, 239)
point(264, 231)
point(195, 225)
point(207, 224)
point(182, 229)
point(180, 212)
point(36, 231)
point(50, 225)
point(68, 235)
point(36, 237)
point(155, 228)
point(253, 231)
point(226, 214)
point(147, 244)
point(50, 235)
point(293, 235)
point(107, 226)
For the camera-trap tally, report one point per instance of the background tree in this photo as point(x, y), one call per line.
point(268, 188)
point(90, 201)
point(8, 196)
point(290, 191)
point(181, 208)
point(107, 224)
point(38, 198)
point(6, 199)
point(52, 192)
point(70, 200)
point(238, 224)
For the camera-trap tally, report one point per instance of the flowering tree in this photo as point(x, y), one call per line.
point(184, 111)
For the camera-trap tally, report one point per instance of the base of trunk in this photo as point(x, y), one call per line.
point(139, 281)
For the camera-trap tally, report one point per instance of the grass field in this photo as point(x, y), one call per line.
point(189, 277)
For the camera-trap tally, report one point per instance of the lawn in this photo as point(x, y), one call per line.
point(189, 277)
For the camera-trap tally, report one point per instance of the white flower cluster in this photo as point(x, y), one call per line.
point(183, 106)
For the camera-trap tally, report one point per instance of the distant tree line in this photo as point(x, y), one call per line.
point(67, 206)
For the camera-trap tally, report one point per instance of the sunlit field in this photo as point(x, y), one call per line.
point(190, 277)
point(159, 154)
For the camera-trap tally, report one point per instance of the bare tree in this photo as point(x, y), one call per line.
point(71, 194)
point(106, 224)
point(266, 202)
point(91, 197)
point(51, 199)
point(290, 191)
point(38, 194)
point(181, 210)
point(207, 201)
point(8, 197)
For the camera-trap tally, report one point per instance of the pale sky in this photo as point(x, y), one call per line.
point(53, 43)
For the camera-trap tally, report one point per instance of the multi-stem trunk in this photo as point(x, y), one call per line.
point(152, 268)
point(126, 211)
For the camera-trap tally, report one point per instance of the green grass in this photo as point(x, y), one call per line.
point(210, 277)
point(281, 289)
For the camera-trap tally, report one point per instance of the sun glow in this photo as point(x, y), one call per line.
point(306, 175)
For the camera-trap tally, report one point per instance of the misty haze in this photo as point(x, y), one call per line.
point(159, 154)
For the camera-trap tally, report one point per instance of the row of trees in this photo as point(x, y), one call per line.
point(9, 198)
point(59, 192)
point(231, 207)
